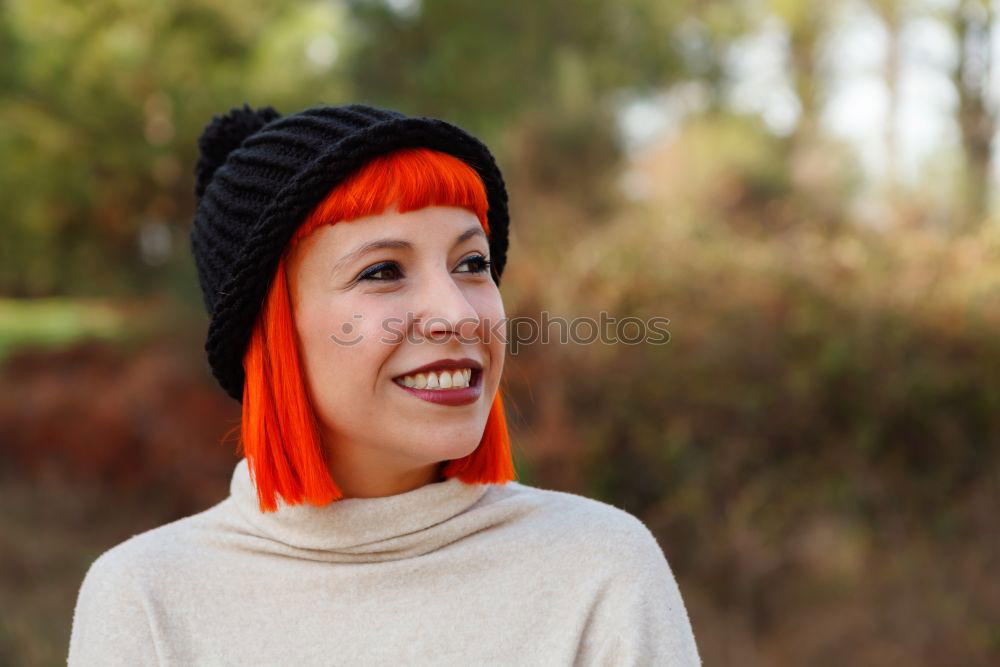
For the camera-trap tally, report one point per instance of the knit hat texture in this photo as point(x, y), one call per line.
point(260, 174)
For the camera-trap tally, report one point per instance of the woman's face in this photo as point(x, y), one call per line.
point(376, 300)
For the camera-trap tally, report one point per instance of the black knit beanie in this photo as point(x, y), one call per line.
point(260, 174)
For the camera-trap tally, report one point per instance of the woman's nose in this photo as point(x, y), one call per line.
point(442, 308)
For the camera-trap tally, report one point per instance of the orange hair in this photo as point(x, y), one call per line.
point(279, 432)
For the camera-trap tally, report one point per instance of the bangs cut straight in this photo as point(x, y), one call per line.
point(279, 433)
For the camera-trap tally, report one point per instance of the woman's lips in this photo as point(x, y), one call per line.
point(461, 396)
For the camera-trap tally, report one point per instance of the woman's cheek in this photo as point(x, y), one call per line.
point(494, 326)
point(327, 338)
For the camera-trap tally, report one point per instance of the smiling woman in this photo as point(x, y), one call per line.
point(350, 260)
point(412, 257)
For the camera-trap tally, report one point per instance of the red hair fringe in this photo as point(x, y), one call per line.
point(279, 433)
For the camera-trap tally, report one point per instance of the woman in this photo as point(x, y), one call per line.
point(350, 259)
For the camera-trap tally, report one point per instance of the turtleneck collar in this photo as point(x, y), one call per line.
point(364, 529)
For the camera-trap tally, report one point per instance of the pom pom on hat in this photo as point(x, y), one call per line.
point(223, 135)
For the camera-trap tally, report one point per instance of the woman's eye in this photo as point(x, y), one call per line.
point(476, 264)
point(381, 272)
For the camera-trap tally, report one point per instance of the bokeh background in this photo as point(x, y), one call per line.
point(805, 189)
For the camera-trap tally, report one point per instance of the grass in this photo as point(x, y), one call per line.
point(53, 322)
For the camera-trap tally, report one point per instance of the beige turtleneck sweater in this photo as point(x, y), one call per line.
point(446, 574)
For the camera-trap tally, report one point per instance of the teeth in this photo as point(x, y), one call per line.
point(457, 379)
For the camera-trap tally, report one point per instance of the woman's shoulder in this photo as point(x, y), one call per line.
point(111, 618)
point(583, 525)
point(149, 551)
point(564, 506)
point(609, 556)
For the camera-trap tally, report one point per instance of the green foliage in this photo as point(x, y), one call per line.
point(485, 63)
point(101, 114)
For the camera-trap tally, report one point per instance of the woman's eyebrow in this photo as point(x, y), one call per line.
point(469, 233)
point(398, 244)
point(377, 244)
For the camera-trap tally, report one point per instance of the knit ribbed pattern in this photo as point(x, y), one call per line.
point(252, 197)
point(445, 575)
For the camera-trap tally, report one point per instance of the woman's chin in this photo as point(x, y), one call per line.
point(442, 449)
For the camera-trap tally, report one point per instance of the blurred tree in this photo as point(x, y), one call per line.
point(819, 173)
point(806, 23)
point(973, 22)
point(542, 80)
point(891, 13)
point(100, 110)
point(485, 63)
